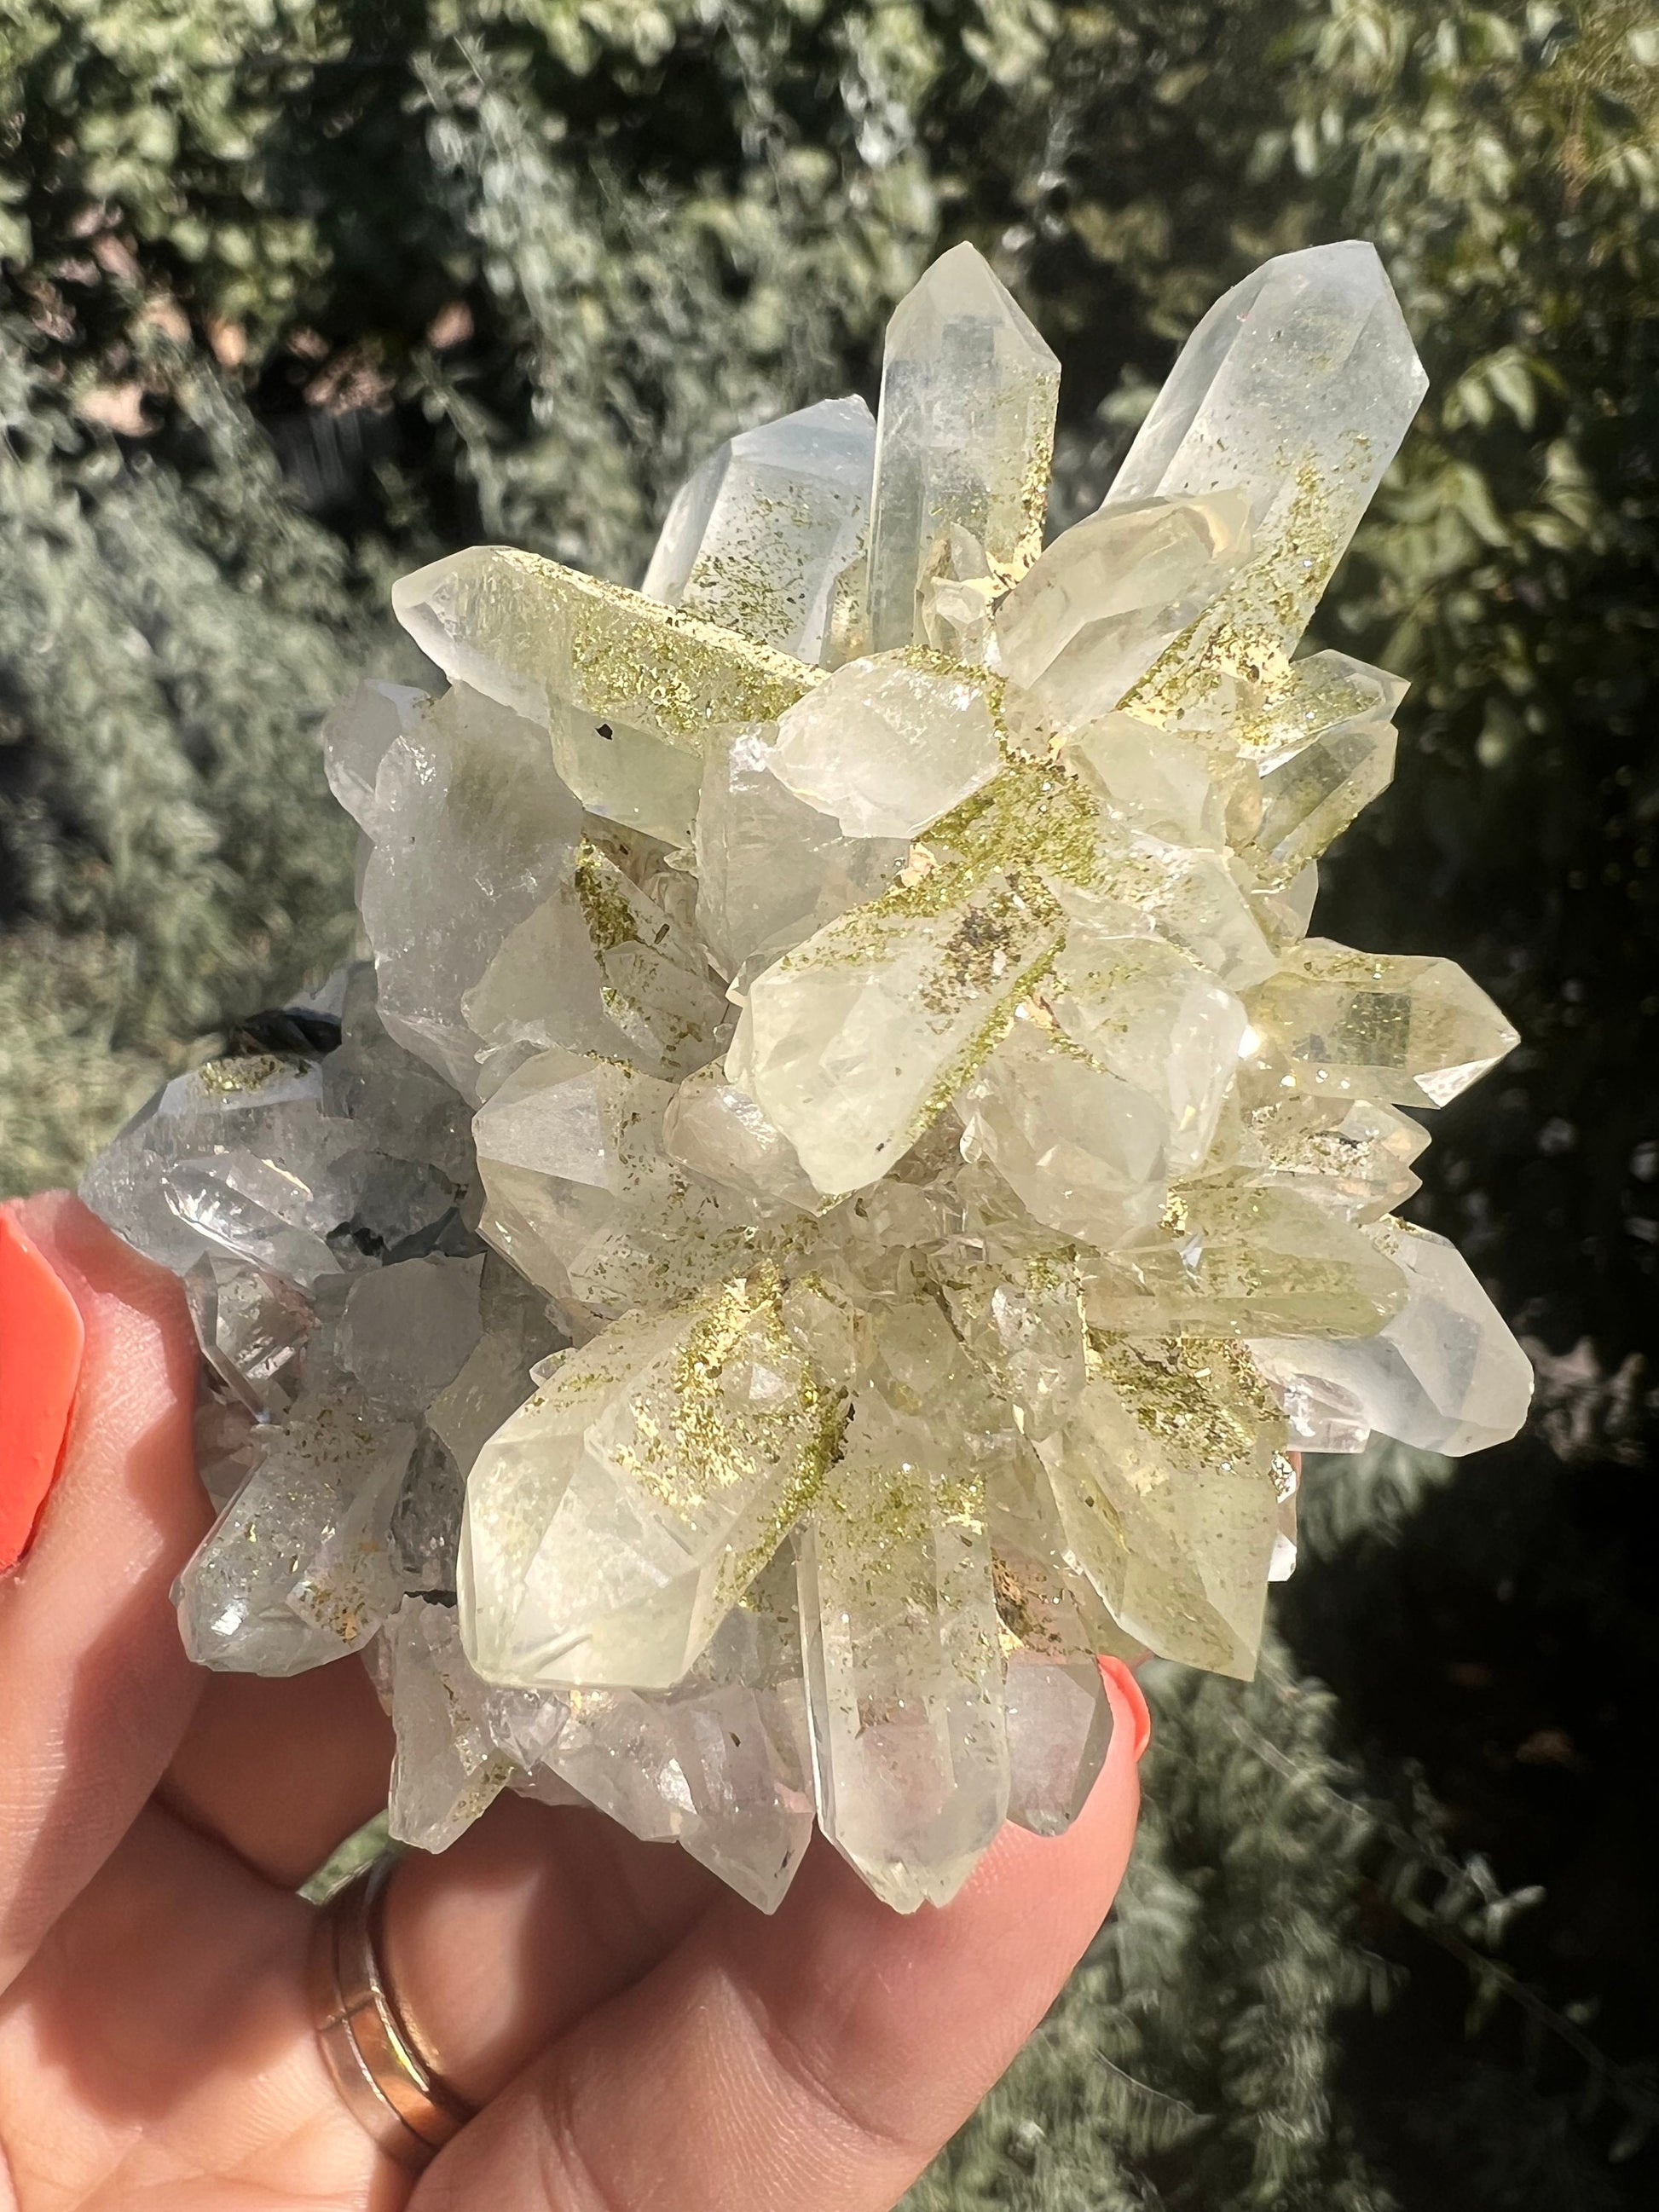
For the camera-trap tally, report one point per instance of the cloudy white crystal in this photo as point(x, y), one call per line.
point(475, 825)
point(771, 868)
point(887, 745)
point(1443, 1374)
point(616, 1518)
point(1099, 606)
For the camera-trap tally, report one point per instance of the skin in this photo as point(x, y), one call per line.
point(634, 2036)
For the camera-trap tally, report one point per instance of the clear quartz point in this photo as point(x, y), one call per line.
point(1025, 1327)
point(252, 1329)
point(1283, 916)
point(1443, 1374)
point(1151, 780)
point(1295, 389)
point(460, 1740)
point(518, 1333)
point(470, 789)
point(227, 1442)
point(1412, 1031)
point(888, 745)
point(758, 539)
point(1086, 1151)
point(1164, 1480)
point(851, 1043)
point(242, 1157)
point(1227, 1254)
point(1060, 1729)
point(964, 436)
point(1192, 897)
point(615, 1518)
point(627, 691)
point(423, 1536)
point(958, 599)
point(1147, 1013)
point(1088, 620)
point(1048, 1607)
point(771, 868)
point(357, 737)
point(294, 1572)
point(1321, 1416)
point(714, 1129)
point(721, 1764)
point(1349, 1155)
point(898, 1616)
point(1322, 752)
point(581, 1195)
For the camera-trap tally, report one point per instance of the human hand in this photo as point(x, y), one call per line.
point(634, 2035)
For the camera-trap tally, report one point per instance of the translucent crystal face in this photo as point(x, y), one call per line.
point(845, 1173)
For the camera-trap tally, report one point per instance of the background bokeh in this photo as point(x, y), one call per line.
point(300, 293)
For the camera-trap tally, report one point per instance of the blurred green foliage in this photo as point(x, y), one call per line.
point(298, 292)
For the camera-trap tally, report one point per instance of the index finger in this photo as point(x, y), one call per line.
point(815, 2061)
point(98, 1689)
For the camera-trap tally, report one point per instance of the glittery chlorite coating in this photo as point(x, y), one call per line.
point(846, 1176)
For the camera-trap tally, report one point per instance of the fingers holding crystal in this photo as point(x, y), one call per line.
point(817, 2059)
point(98, 1690)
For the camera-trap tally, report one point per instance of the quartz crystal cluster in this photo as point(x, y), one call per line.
point(845, 1177)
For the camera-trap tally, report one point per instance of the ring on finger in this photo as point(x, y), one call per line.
point(384, 2075)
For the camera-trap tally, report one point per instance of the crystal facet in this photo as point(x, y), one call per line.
point(1106, 599)
point(887, 746)
point(679, 1450)
point(1060, 1729)
point(771, 869)
point(627, 691)
point(1163, 1476)
point(898, 1614)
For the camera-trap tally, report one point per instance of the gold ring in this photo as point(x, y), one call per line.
point(384, 2075)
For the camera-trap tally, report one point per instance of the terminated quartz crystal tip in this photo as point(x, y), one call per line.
point(847, 1177)
point(765, 539)
point(1295, 390)
point(963, 441)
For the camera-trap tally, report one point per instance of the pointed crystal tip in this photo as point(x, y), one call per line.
point(1314, 334)
point(963, 441)
point(961, 286)
point(1295, 388)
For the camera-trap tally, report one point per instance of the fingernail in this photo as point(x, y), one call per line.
point(1120, 1684)
point(41, 1341)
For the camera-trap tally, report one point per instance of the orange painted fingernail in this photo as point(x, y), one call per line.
point(41, 1340)
point(1119, 1675)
